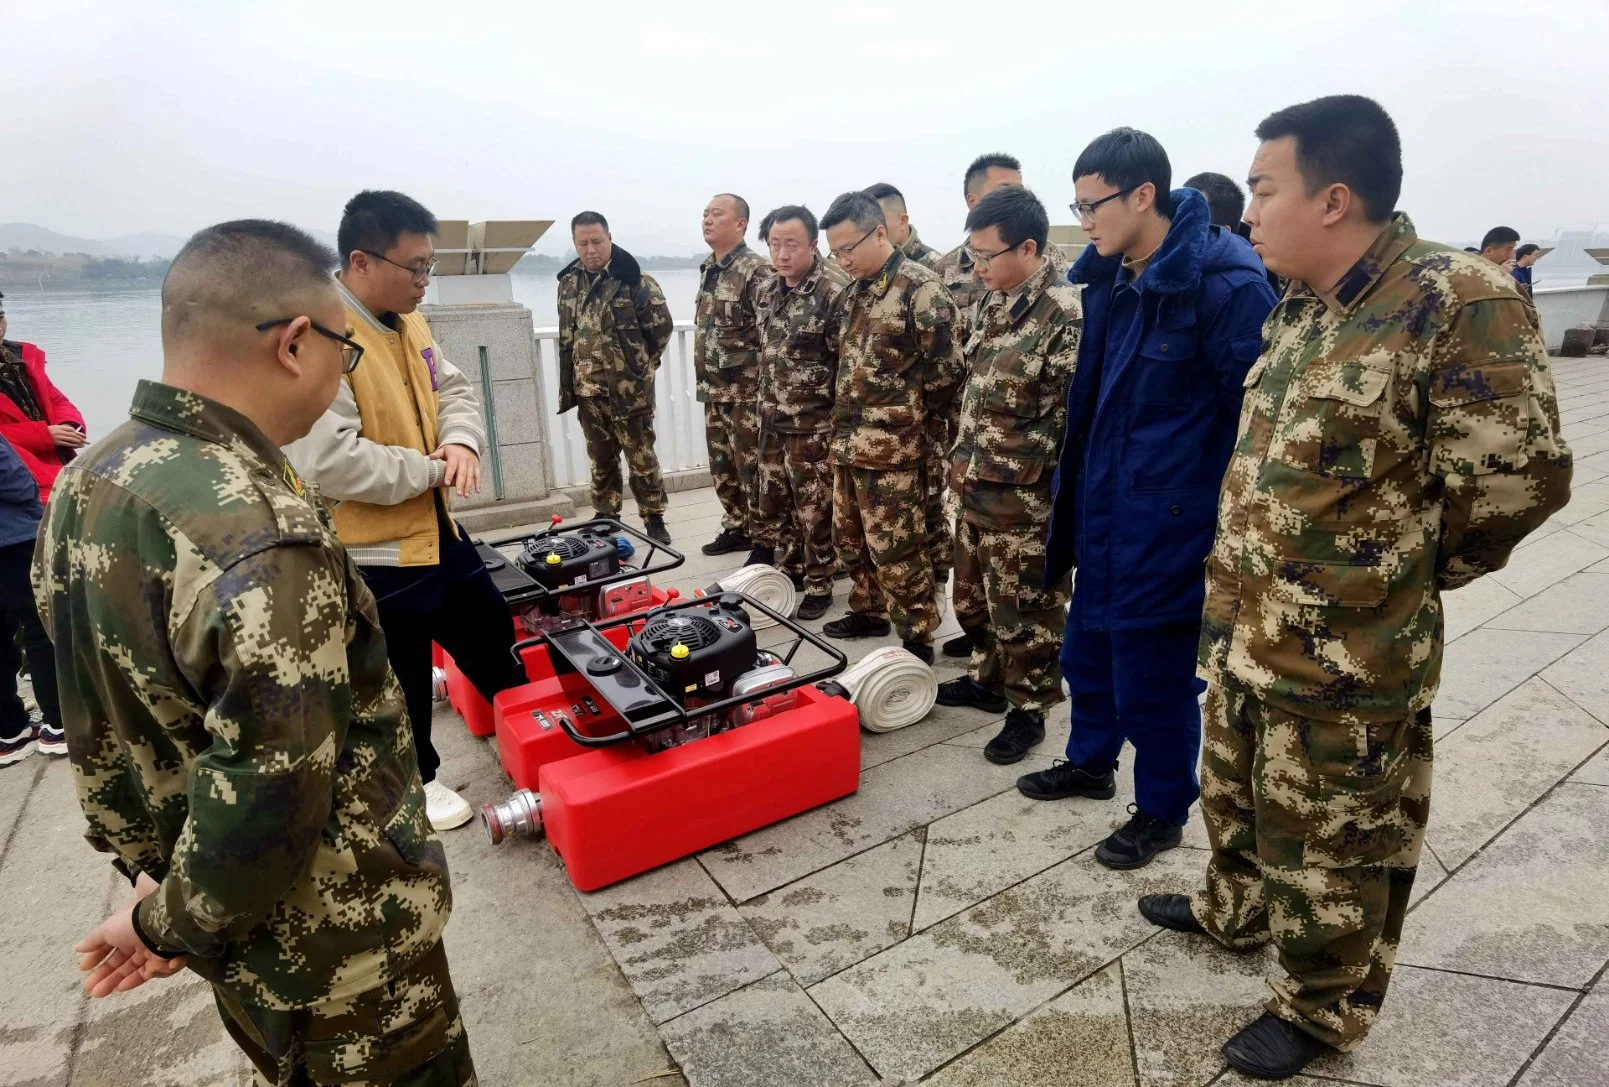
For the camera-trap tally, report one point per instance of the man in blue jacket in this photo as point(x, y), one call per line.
point(20, 512)
point(1173, 314)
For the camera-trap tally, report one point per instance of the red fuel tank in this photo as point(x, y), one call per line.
point(528, 719)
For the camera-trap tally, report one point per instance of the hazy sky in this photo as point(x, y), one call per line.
point(164, 117)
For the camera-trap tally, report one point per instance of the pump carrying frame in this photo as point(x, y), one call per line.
point(582, 650)
point(518, 587)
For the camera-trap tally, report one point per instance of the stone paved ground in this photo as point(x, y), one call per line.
point(935, 927)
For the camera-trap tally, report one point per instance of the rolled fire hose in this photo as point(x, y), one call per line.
point(766, 584)
point(891, 688)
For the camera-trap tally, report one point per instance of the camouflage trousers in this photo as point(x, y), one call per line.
point(407, 1033)
point(794, 510)
point(1016, 627)
point(1316, 829)
point(938, 518)
point(609, 435)
point(879, 524)
point(732, 432)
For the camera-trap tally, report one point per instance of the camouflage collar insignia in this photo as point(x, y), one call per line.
point(292, 480)
point(1393, 241)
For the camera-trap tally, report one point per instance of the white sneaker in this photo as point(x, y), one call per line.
point(445, 808)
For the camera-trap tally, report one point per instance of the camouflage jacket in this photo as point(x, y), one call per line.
point(235, 730)
point(726, 348)
point(1020, 356)
point(899, 369)
point(799, 359)
point(966, 287)
point(921, 252)
point(613, 328)
point(1398, 436)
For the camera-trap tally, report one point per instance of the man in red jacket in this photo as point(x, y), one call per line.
point(39, 422)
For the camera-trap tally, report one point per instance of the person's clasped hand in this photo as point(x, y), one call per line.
point(463, 469)
point(114, 957)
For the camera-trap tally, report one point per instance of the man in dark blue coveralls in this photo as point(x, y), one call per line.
point(1173, 314)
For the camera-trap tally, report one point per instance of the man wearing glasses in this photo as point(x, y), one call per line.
point(1021, 353)
point(403, 435)
point(899, 368)
point(238, 744)
point(1173, 313)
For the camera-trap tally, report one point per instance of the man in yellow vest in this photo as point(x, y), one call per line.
point(403, 435)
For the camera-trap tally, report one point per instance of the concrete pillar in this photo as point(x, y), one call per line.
point(495, 345)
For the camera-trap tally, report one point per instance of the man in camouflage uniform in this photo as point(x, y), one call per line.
point(613, 328)
point(900, 230)
point(1022, 350)
point(1399, 436)
point(726, 356)
point(239, 743)
point(800, 308)
point(899, 369)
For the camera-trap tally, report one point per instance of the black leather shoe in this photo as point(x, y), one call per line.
point(922, 651)
point(1273, 1049)
point(762, 556)
point(1171, 911)
point(728, 541)
point(1063, 779)
point(1023, 729)
point(1136, 843)
point(653, 526)
point(856, 625)
point(967, 691)
point(815, 605)
point(958, 646)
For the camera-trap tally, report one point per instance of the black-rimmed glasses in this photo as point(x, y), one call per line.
point(1085, 209)
point(421, 276)
point(351, 350)
point(848, 249)
point(984, 258)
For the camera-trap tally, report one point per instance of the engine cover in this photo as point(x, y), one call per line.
point(569, 559)
point(696, 654)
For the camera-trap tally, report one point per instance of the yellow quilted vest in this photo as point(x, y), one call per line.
point(394, 386)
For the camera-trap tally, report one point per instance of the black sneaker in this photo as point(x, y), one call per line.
point(1063, 779)
point(815, 605)
point(17, 748)
point(50, 741)
point(967, 691)
point(856, 625)
point(653, 527)
point(1136, 843)
point(798, 582)
point(958, 646)
point(1023, 729)
point(922, 651)
point(760, 556)
point(1271, 1048)
point(728, 541)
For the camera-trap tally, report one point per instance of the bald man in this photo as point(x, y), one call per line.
point(238, 741)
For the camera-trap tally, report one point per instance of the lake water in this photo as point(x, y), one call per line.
point(99, 343)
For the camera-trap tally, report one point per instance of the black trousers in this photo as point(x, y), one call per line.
point(456, 605)
point(17, 608)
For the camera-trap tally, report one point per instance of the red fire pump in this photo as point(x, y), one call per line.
point(552, 578)
point(691, 735)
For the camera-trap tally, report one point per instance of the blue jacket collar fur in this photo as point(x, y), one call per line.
point(1176, 266)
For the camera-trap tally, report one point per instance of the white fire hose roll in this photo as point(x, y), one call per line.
point(891, 688)
point(766, 584)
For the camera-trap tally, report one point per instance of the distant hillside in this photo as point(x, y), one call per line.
point(22, 238)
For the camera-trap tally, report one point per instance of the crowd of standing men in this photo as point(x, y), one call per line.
point(1262, 500)
point(1265, 447)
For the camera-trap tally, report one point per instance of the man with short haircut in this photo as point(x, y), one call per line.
point(237, 740)
point(1225, 202)
point(900, 230)
point(898, 371)
point(401, 437)
point(801, 314)
point(1399, 437)
point(1023, 349)
point(1173, 313)
point(1498, 246)
point(614, 326)
point(1525, 258)
point(726, 357)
